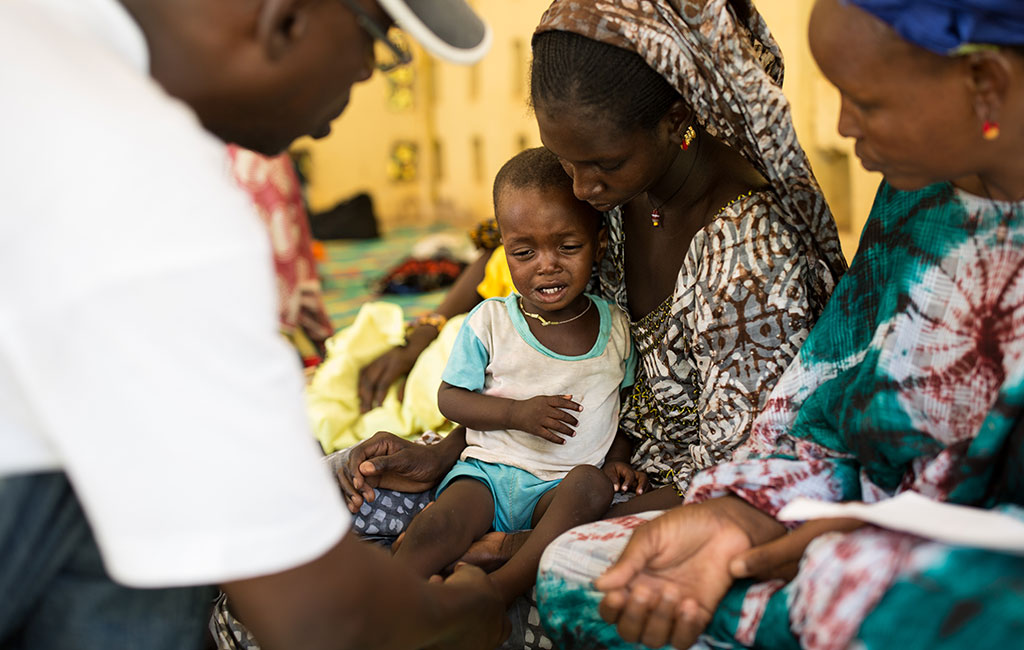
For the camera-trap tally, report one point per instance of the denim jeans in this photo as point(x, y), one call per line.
point(55, 593)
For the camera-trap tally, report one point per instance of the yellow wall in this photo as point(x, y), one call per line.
point(471, 120)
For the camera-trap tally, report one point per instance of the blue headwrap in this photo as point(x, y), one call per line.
point(945, 26)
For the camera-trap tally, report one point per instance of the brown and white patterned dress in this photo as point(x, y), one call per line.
point(755, 279)
point(743, 303)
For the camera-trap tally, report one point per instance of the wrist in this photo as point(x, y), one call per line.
point(760, 528)
point(418, 337)
point(421, 325)
point(509, 417)
point(451, 446)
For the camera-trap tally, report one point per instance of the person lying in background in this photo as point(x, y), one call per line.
point(487, 277)
point(272, 183)
point(382, 372)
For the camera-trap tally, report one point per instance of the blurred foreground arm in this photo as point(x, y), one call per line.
point(336, 602)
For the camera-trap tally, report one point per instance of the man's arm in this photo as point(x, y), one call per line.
point(346, 599)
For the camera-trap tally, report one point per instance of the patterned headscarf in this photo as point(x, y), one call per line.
point(946, 26)
point(730, 73)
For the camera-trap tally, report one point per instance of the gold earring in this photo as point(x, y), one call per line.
point(688, 138)
point(990, 130)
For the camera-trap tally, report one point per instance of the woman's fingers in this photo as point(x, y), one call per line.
point(690, 622)
point(662, 618)
point(633, 560)
point(611, 605)
point(633, 618)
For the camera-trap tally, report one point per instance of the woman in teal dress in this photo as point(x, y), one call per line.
point(912, 380)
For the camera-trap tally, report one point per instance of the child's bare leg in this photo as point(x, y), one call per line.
point(495, 549)
point(440, 534)
point(582, 496)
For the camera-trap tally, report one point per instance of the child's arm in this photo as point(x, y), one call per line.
point(617, 467)
point(545, 416)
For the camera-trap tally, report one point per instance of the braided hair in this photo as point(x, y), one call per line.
point(570, 69)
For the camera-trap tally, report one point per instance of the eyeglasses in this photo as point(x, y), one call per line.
point(399, 54)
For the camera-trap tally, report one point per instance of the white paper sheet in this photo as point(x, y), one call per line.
point(912, 513)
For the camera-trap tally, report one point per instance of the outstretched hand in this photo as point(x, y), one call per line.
point(389, 462)
point(545, 416)
point(673, 573)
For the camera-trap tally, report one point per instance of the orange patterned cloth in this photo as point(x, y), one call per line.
point(274, 188)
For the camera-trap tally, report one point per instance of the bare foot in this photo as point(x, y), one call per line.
point(494, 549)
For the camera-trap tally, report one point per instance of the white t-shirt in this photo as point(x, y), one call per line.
point(495, 353)
point(138, 327)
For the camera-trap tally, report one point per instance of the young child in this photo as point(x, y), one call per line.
point(535, 378)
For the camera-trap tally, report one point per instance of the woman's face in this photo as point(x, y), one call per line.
point(608, 165)
point(911, 114)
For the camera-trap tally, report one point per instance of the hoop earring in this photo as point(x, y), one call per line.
point(990, 130)
point(688, 138)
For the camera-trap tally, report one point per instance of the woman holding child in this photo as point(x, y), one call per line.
point(912, 381)
point(722, 250)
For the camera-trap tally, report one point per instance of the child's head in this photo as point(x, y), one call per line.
point(551, 238)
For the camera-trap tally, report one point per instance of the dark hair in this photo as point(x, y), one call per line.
point(569, 69)
point(535, 168)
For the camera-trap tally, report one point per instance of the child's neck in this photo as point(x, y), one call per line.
point(571, 338)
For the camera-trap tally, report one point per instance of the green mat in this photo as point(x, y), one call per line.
point(351, 267)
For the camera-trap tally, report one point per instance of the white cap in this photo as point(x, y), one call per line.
point(448, 29)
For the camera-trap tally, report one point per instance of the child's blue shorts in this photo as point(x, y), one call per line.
point(515, 491)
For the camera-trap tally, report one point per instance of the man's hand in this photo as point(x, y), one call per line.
point(675, 570)
point(482, 632)
point(545, 416)
point(624, 478)
point(393, 463)
point(780, 558)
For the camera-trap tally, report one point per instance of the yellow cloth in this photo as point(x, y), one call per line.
point(497, 282)
point(332, 396)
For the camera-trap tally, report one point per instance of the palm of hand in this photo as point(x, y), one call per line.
point(701, 575)
point(684, 574)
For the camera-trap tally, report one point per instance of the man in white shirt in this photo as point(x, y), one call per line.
point(141, 374)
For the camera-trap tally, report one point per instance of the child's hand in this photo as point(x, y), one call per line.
point(545, 416)
point(624, 478)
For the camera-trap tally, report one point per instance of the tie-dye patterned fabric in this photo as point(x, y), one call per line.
point(755, 279)
point(913, 379)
